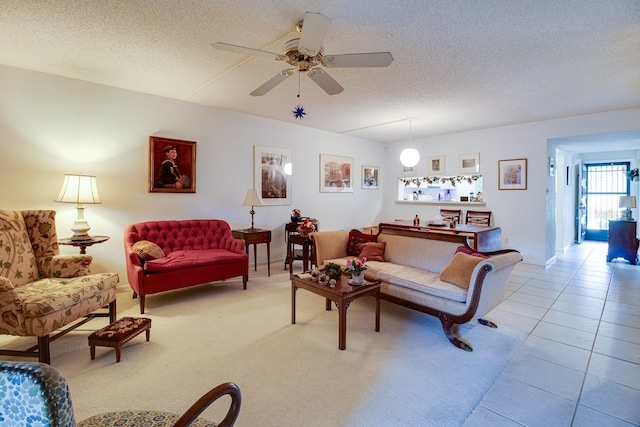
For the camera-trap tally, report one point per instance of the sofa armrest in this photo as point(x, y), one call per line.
point(64, 265)
point(329, 245)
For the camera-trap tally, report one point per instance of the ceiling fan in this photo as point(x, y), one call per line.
point(306, 54)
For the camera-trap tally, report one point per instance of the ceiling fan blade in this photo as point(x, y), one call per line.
point(314, 30)
point(273, 82)
point(325, 81)
point(378, 59)
point(248, 50)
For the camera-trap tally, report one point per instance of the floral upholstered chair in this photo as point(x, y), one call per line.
point(42, 291)
point(36, 394)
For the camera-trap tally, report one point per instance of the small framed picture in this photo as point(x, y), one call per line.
point(409, 171)
point(469, 163)
point(370, 177)
point(512, 174)
point(172, 165)
point(336, 174)
point(435, 165)
point(270, 177)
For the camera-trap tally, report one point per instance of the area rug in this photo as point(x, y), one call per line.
point(290, 375)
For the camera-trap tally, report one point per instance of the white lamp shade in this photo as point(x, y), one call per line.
point(409, 157)
point(251, 199)
point(79, 189)
point(627, 202)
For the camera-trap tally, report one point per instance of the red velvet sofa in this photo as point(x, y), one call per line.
point(193, 252)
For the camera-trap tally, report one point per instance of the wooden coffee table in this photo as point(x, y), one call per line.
point(341, 295)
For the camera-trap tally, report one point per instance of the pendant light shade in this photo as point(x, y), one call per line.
point(409, 156)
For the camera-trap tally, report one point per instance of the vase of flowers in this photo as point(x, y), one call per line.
point(296, 215)
point(356, 267)
point(307, 226)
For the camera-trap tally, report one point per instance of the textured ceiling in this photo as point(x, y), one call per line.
point(459, 65)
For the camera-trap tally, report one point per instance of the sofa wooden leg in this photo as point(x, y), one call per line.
point(142, 304)
point(245, 279)
point(43, 350)
point(486, 322)
point(447, 327)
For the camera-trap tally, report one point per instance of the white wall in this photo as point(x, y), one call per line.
point(50, 126)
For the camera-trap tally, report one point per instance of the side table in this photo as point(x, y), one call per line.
point(255, 236)
point(82, 244)
point(306, 243)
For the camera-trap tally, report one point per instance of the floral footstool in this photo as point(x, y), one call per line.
point(118, 333)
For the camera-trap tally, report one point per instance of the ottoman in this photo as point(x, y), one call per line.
point(118, 333)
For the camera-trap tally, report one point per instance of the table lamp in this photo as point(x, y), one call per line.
point(81, 190)
point(627, 202)
point(252, 199)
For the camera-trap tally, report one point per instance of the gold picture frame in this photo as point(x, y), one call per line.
point(172, 165)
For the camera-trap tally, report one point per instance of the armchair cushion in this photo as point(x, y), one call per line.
point(355, 239)
point(373, 251)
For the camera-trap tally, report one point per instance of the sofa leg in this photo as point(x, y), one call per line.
point(447, 327)
point(245, 279)
point(486, 322)
point(142, 304)
point(43, 350)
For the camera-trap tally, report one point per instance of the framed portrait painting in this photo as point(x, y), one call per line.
point(512, 174)
point(335, 174)
point(172, 165)
point(435, 165)
point(270, 178)
point(370, 177)
point(469, 163)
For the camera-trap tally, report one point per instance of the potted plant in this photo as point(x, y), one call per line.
point(356, 267)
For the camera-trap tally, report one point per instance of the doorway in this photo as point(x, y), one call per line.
point(605, 183)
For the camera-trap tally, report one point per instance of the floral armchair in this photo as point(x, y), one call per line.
point(42, 291)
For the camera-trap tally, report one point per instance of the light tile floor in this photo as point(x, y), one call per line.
point(580, 365)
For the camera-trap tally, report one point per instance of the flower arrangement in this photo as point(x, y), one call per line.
point(356, 266)
point(306, 226)
point(633, 174)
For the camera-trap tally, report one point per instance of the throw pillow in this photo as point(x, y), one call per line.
point(460, 269)
point(355, 239)
point(147, 250)
point(373, 251)
point(467, 250)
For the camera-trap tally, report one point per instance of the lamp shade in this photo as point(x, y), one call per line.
point(79, 189)
point(251, 199)
point(627, 202)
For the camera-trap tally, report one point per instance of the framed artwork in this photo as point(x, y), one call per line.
point(370, 177)
point(172, 165)
point(335, 174)
point(409, 171)
point(270, 179)
point(435, 165)
point(469, 163)
point(512, 174)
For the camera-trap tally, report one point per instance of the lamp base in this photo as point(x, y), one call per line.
point(80, 227)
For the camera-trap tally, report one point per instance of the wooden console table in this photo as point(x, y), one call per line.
point(622, 240)
point(255, 236)
point(483, 238)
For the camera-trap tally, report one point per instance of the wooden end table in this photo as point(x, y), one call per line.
point(306, 243)
point(255, 236)
point(341, 295)
point(83, 243)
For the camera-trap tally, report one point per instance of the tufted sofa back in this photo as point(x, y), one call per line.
point(175, 235)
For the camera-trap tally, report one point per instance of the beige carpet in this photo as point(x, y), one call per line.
point(290, 375)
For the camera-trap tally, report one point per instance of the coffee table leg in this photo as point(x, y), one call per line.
point(342, 325)
point(293, 304)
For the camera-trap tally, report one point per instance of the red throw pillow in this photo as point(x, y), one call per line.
point(355, 239)
point(469, 251)
point(373, 251)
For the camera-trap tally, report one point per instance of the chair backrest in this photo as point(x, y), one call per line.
point(34, 394)
point(478, 217)
point(17, 259)
point(451, 214)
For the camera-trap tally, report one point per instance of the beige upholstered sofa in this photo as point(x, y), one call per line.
point(41, 291)
point(419, 268)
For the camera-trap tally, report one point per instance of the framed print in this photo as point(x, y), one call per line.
point(469, 163)
point(435, 165)
point(172, 165)
point(270, 179)
point(512, 174)
point(370, 177)
point(335, 174)
point(409, 171)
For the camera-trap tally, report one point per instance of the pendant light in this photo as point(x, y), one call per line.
point(409, 156)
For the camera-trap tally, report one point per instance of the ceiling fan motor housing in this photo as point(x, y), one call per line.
point(300, 58)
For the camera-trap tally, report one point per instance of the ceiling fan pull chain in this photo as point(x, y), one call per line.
point(299, 112)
